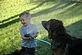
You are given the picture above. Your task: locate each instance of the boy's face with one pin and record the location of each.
(25, 20)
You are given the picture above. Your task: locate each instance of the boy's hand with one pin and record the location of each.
(26, 38)
(29, 38)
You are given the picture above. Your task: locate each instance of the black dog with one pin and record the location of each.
(61, 42)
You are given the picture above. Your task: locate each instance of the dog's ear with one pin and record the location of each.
(45, 24)
(60, 23)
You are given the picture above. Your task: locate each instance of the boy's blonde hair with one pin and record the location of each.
(25, 13)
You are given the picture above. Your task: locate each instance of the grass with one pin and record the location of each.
(69, 13)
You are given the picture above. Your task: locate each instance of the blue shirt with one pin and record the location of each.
(30, 29)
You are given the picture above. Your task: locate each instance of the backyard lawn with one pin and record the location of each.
(70, 13)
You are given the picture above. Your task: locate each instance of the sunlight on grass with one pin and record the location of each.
(70, 21)
(13, 7)
(10, 36)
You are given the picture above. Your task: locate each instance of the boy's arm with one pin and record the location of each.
(28, 38)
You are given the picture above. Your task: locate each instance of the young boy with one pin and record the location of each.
(28, 43)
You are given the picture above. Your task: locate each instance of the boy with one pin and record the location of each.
(28, 43)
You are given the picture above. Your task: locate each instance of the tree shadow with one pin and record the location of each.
(26, 10)
(37, 6)
(16, 20)
(77, 1)
(9, 23)
(51, 9)
(74, 11)
(75, 29)
(60, 3)
(46, 11)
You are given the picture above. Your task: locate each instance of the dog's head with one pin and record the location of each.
(54, 27)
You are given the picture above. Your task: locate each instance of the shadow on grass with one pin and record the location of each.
(9, 23)
(55, 7)
(28, 10)
(77, 1)
(37, 6)
(75, 29)
(74, 11)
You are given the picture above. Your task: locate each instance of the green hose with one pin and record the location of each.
(43, 41)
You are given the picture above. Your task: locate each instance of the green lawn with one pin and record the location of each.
(69, 13)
